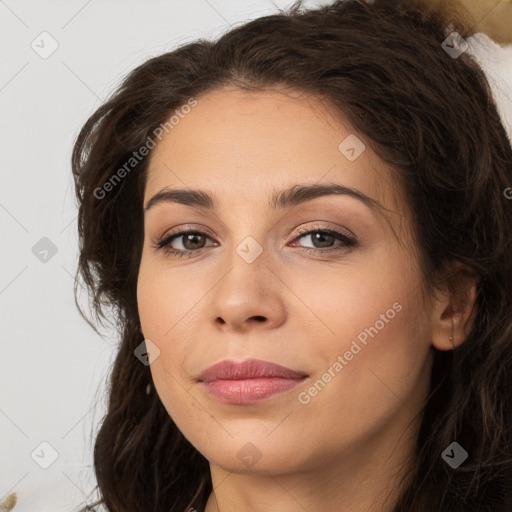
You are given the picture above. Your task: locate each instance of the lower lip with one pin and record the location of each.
(248, 391)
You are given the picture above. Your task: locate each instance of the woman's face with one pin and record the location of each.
(349, 316)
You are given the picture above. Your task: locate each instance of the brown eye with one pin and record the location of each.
(323, 240)
(190, 240)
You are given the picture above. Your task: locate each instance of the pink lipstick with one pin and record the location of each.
(248, 381)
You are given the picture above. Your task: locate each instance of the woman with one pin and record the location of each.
(303, 230)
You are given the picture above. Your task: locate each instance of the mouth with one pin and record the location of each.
(249, 381)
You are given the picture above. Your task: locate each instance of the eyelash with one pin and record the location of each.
(347, 240)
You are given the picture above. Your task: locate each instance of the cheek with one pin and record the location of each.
(373, 341)
(154, 308)
(164, 305)
(163, 298)
(342, 302)
(377, 366)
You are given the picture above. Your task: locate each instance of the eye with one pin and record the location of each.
(322, 239)
(193, 241)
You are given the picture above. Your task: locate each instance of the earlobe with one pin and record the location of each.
(458, 312)
(445, 337)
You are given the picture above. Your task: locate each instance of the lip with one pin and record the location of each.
(248, 381)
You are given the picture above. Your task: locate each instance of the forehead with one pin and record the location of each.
(238, 142)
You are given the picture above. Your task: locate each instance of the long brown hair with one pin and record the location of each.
(429, 115)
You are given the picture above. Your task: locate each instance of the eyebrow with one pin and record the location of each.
(292, 196)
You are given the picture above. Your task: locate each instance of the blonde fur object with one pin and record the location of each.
(8, 503)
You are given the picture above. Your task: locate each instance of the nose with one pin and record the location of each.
(249, 296)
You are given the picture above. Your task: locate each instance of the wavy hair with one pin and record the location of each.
(432, 117)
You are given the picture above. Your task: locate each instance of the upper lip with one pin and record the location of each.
(248, 369)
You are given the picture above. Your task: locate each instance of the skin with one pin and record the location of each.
(347, 447)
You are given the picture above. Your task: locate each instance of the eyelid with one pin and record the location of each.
(323, 227)
(182, 230)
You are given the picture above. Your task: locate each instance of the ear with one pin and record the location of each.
(454, 309)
